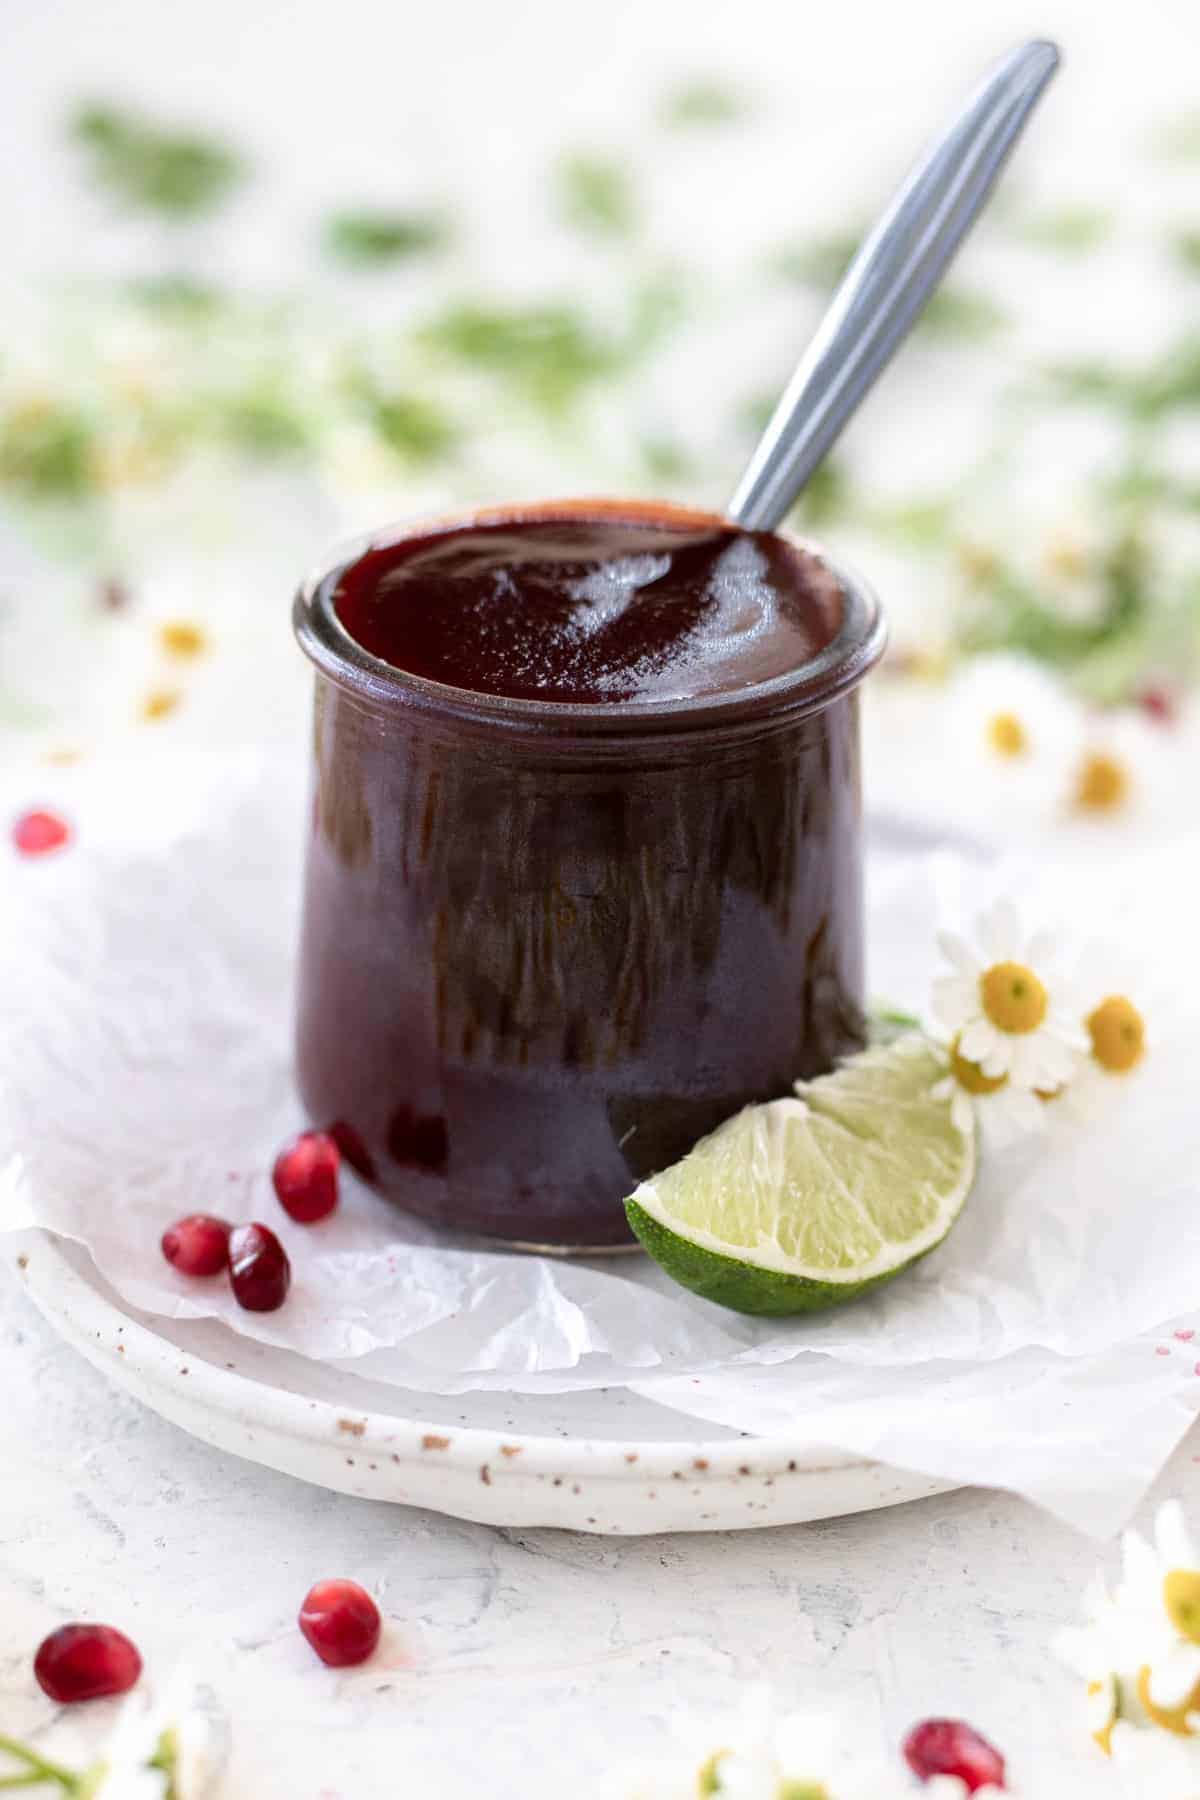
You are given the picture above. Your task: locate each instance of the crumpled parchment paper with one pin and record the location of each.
(144, 1073)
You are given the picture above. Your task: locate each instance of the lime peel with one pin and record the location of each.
(804, 1203)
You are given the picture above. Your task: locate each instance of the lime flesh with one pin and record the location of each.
(810, 1201)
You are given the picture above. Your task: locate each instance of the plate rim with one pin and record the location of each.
(139, 1359)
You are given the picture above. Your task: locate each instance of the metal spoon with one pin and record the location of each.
(892, 276)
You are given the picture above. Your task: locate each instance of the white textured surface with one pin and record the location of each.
(530, 1663)
(522, 1663)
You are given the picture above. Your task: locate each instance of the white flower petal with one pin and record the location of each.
(1173, 1676)
(1066, 1031)
(1141, 1567)
(1173, 1539)
(1000, 931)
(958, 952)
(1040, 949)
(954, 1000)
(977, 1039)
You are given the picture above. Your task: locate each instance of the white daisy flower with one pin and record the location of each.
(1139, 1650)
(1117, 1048)
(1005, 1006)
(1097, 1651)
(1122, 767)
(1016, 728)
(804, 1756)
(1004, 1113)
(1159, 1596)
(1070, 568)
(172, 1748)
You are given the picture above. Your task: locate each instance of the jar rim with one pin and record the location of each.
(849, 655)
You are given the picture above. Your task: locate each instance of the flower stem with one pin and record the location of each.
(37, 1768)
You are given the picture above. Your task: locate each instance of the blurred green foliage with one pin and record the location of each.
(176, 174)
(702, 101)
(1066, 230)
(46, 451)
(367, 238)
(596, 194)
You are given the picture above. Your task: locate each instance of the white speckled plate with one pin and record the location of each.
(602, 1461)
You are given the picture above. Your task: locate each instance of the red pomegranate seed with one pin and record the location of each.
(1158, 703)
(948, 1747)
(341, 1622)
(259, 1271)
(37, 833)
(85, 1662)
(197, 1245)
(306, 1177)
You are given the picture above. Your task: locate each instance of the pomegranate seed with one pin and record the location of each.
(197, 1245)
(948, 1747)
(306, 1177)
(259, 1271)
(1158, 703)
(85, 1662)
(341, 1622)
(36, 833)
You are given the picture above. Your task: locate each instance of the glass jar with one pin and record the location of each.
(548, 946)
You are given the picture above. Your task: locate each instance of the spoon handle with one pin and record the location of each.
(892, 276)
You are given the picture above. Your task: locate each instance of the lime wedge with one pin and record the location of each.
(807, 1202)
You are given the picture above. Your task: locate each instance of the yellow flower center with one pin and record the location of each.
(1181, 1597)
(1006, 735)
(1171, 1718)
(978, 563)
(1102, 783)
(970, 1076)
(1066, 559)
(1118, 1034)
(1013, 998)
(181, 638)
(1046, 1095)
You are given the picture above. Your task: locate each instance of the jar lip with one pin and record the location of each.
(853, 650)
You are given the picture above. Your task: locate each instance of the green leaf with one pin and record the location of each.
(923, 523)
(825, 498)
(1168, 382)
(657, 306)
(264, 422)
(702, 102)
(666, 460)
(180, 297)
(547, 354)
(961, 315)
(413, 428)
(753, 414)
(48, 452)
(818, 262)
(595, 194)
(1009, 614)
(178, 175)
(1066, 230)
(1185, 247)
(363, 238)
